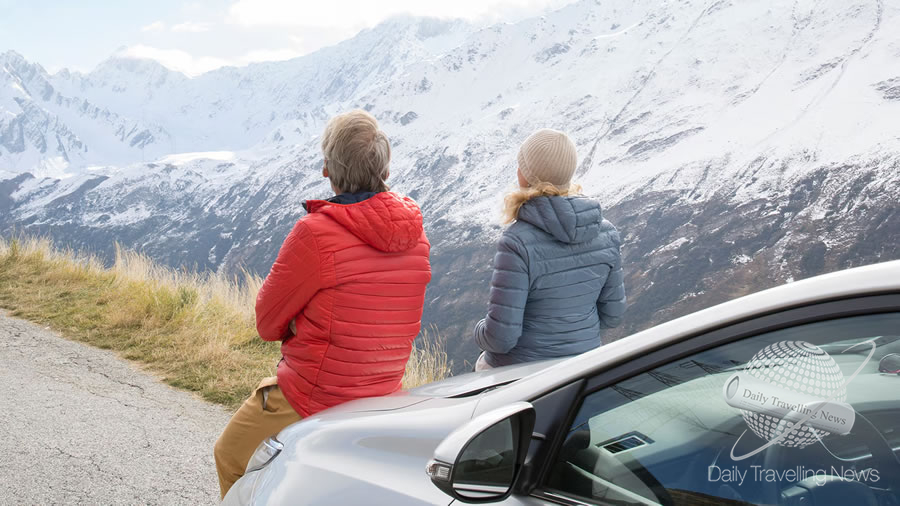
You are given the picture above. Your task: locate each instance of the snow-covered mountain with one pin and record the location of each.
(132, 110)
(735, 144)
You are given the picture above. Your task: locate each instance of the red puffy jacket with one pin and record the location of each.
(354, 278)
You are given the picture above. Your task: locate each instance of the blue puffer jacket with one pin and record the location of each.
(557, 282)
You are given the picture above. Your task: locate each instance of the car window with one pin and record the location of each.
(798, 412)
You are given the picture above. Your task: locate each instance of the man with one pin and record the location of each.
(344, 296)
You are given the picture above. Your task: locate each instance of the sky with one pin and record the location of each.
(201, 35)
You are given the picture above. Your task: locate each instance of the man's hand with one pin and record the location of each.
(293, 326)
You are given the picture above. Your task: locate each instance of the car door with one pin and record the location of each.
(787, 408)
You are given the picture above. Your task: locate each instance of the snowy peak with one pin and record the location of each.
(130, 109)
(23, 77)
(670, 94)
(643, 88)
(46, 129)
(16, 63)
(121, 71)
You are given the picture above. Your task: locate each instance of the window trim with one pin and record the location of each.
(559, 498)
(756, 325)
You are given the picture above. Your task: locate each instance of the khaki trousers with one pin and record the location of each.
(263, 414)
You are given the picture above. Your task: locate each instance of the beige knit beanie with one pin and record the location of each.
(548, 156)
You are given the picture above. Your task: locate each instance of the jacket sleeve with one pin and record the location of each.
(292, 282)
(500, 331)
(611, 303)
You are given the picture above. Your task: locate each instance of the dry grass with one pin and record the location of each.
(196, 332)
(428, 362)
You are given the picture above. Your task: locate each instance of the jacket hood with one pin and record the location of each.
(568, 219)
(385, 221)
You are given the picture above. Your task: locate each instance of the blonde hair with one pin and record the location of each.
(357, 153)
(514, 200)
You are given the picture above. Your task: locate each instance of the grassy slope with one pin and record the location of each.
(197, 333)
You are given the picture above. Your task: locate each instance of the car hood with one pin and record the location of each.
(375, 447)
(476, 382)
(369, 457)
(463, 385)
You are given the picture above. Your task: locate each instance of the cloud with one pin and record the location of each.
(186, 27)
(191, 65)
(156, 26)
(274, 30)
(191, 27)
(175, 59)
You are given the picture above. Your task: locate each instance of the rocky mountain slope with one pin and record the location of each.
(736, 145)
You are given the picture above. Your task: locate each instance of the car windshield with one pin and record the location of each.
(670, 432)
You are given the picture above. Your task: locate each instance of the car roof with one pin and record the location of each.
(871, 279)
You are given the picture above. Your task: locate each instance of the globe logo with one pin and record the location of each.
(799, 368)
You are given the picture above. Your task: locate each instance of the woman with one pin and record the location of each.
(558, 272)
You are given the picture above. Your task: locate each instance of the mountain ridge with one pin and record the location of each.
(728, 166)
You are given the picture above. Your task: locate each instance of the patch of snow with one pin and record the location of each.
(672, 245)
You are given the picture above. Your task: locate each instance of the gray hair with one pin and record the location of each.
(357, 153)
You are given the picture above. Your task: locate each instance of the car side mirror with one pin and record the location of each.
(480, 461)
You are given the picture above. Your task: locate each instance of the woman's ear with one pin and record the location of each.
(523, 183)
(387, 174)
(325, 169)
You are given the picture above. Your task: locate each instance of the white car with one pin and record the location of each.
(787, 396)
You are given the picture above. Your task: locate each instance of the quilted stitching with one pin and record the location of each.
(567, 219)
(557, 282)
(356, 332)
(387, 221)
